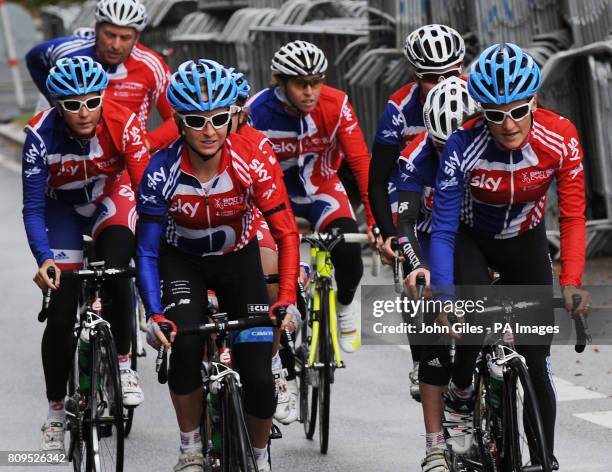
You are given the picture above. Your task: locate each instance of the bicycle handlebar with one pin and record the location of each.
(44, 312)
(100, 273)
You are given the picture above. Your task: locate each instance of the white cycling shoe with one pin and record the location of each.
(435, 461)
(53, 437)
(192, 461)
(130, 386)
(292, 391)
(282, 394)
(348, 327)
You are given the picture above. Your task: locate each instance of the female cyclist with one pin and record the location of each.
(489, 205)
(196, 207)
(74, 181)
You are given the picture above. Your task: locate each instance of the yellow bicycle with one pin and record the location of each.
(319, 355)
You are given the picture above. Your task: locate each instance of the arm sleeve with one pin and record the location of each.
(356, 153)
(39, 61)
(34, 179)
(446, 211)
(152, 208)
(270, 196)
(409, 204)
(572, 220)
(167, 132)
(135, 152)
(381, 167)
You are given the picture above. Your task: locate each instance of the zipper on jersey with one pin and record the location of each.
(506, 222)
(210, 245)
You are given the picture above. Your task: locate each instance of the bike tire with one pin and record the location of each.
(525, 434)
(484, 419)
(77, 446)
(105, 426)
(237, 450)
(308, 393)
(129, 411)
(325, 359)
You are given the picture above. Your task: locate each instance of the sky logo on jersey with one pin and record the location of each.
(135, 135)
(33, 153)
(484, 182)
(186, 208)
(398, 120)
(283, 147)
(452, 164)
(260, 169)
(157, 177)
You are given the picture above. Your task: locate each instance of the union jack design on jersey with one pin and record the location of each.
(503, 193)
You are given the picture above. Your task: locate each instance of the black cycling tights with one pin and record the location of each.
(347, 261)
(115, 245)
(522, 260)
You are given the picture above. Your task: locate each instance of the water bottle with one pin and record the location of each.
(84, 361)
(496, 381)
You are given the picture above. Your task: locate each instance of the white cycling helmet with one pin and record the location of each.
(84, 32)
(129, 13)
(434, 48)
(299, 58)
(446, 106)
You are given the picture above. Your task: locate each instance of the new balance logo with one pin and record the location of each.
(434, 363)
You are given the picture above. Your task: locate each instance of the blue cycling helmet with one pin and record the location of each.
(78, 75)
(503, 74)
(185, 88)
(244, 88)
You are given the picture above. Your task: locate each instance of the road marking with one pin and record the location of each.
(10, 164)
(602, 418)
(568, 391)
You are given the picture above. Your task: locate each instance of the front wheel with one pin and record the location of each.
(325, 372)
(237, 451)
(486, 420)
(525, 443)
(105, 425)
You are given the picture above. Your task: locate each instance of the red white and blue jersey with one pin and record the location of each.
(78, 172)
(216, 217)
(502, 194)
(400, 123)
(138, 83)
(418, 166)
(310, 147)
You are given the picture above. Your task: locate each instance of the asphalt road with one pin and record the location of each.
(375, 426)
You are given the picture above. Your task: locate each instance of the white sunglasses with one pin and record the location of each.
(72, 105)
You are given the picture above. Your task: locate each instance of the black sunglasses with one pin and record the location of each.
(303, 83)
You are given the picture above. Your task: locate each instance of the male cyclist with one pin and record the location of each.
(137, 76)
(489, 203)
(435, 52)
(311, 126)
(446, 107)
(74, 180)
(195, 232)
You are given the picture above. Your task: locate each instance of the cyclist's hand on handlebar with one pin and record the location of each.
(410, 282)
(41, 278)
(290, 313)
(155, 336)
(372, 237)
(569, 291)
(387, 254)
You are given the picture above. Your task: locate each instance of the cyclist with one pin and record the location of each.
(283, 361)
(446, 107)
(137, 76)
(435, 52)
(74, 158)
(489, 204)
(311, 125)
(195, 231)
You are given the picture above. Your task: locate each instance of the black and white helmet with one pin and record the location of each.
(129, 13)
(299, 58)
(446, 106)
(434, 48)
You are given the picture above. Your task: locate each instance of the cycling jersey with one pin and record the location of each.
(137, 84)
(418, 165)
(77, 172)
(400, 123)
(502, 193)
(310, 147)
(216, 217)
